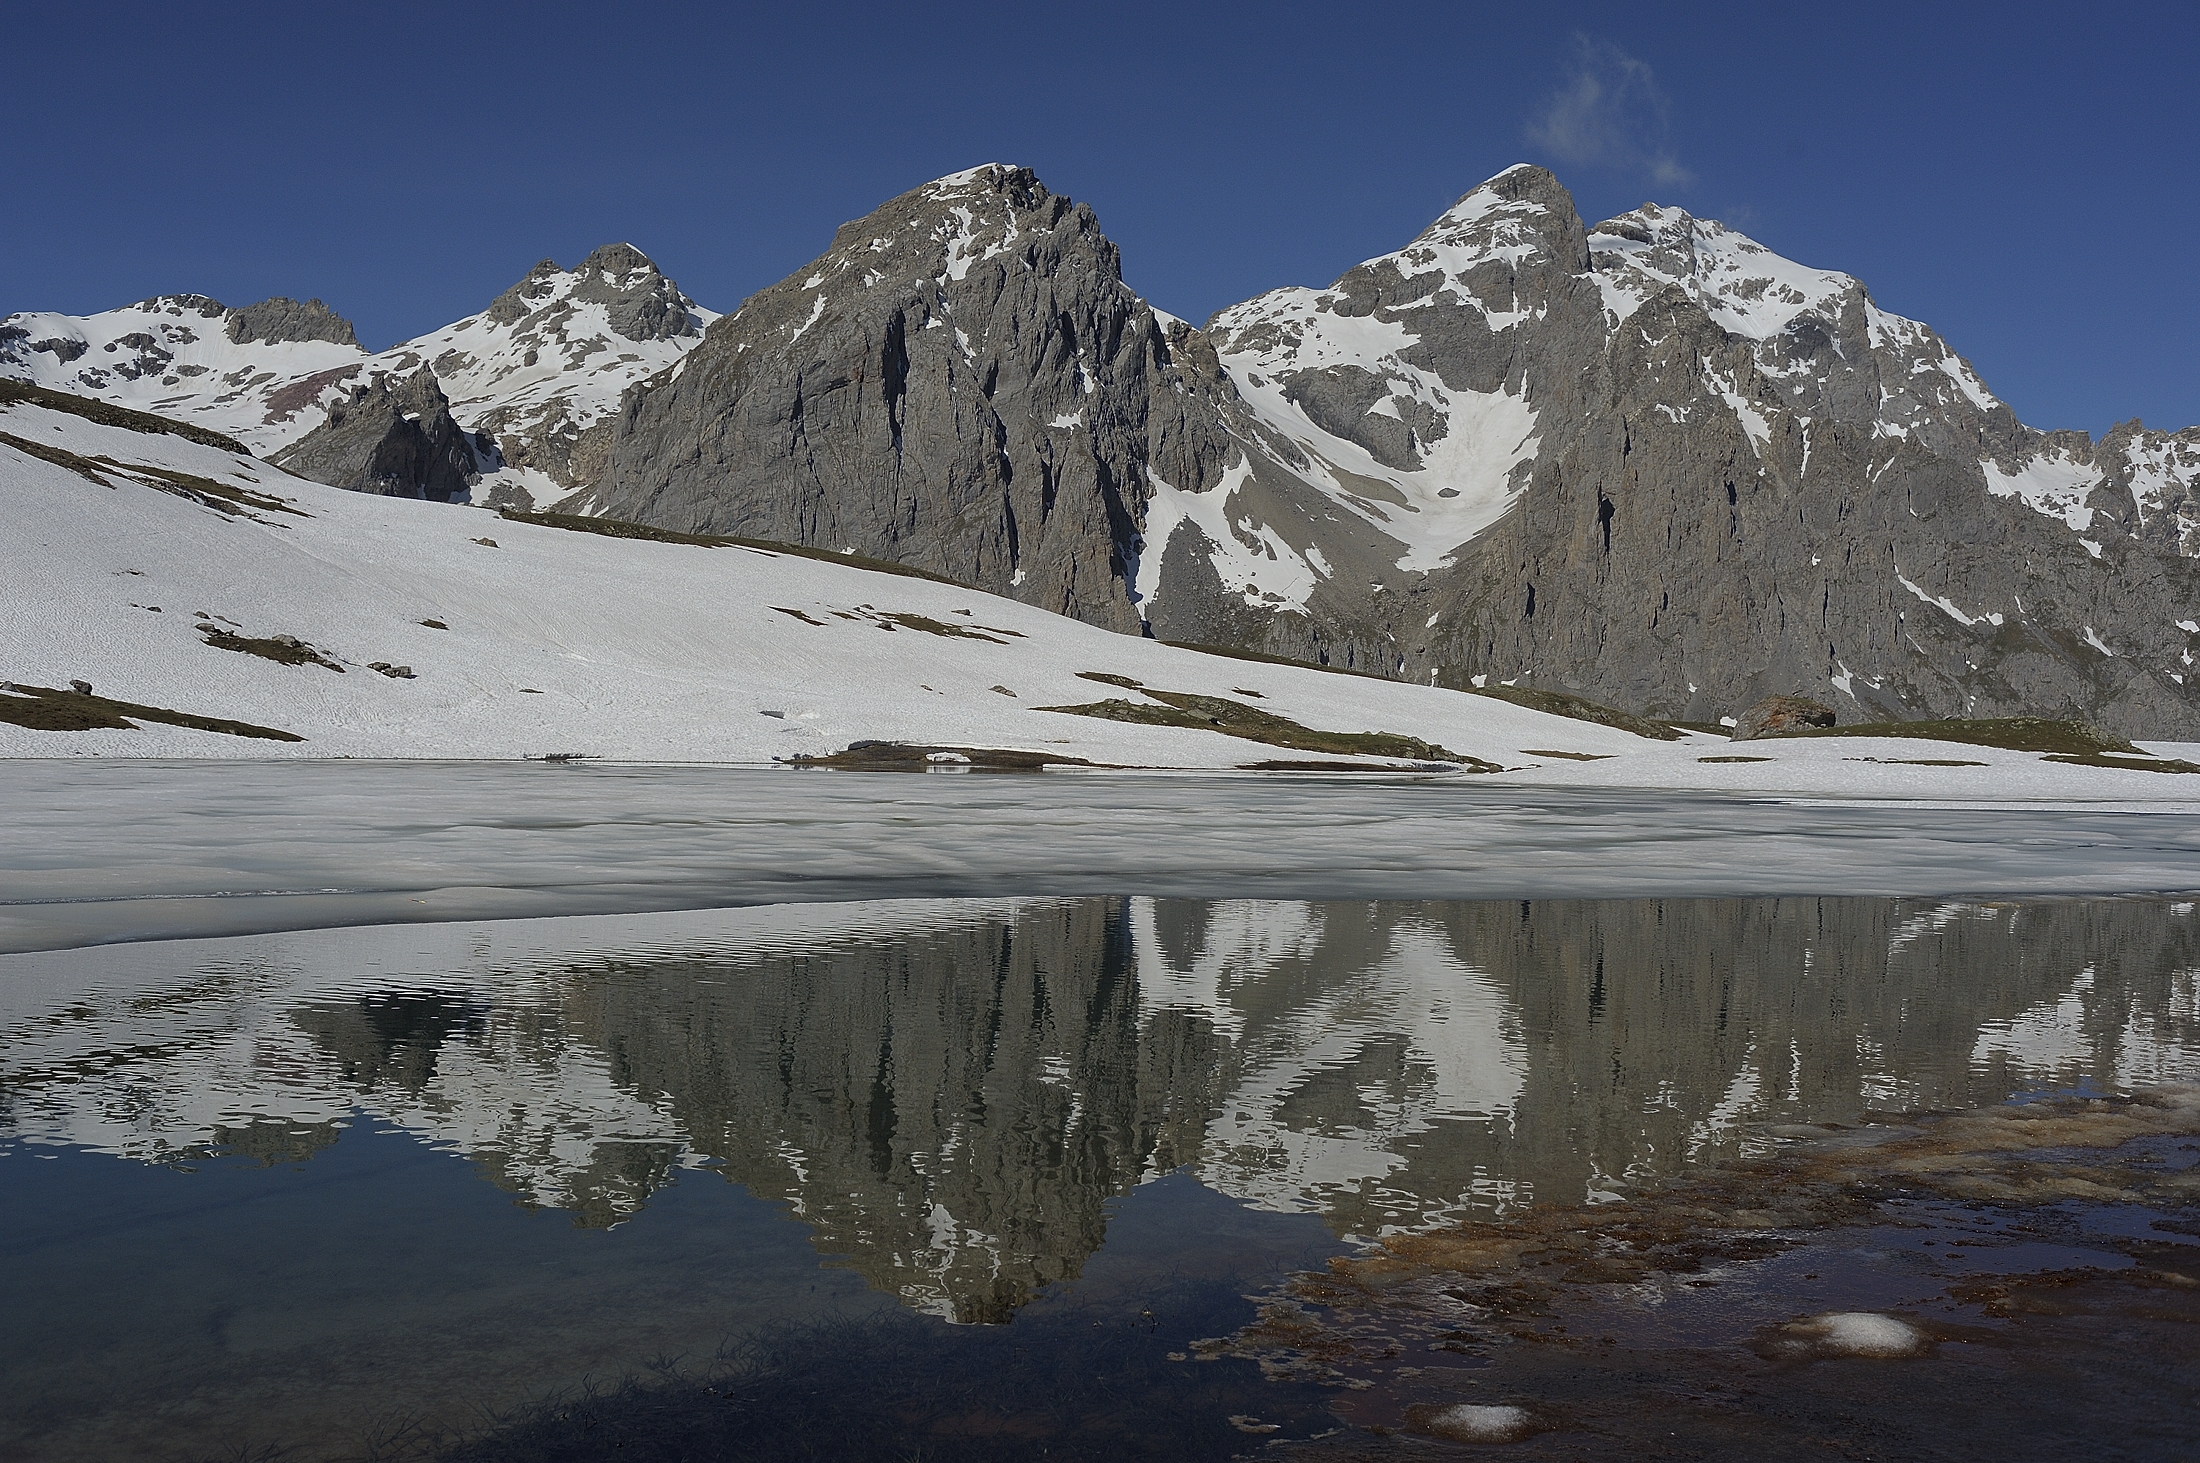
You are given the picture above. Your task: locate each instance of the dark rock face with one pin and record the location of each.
(642, 303)
(1649, 463)
(279, 319)
(397, 440)
(962, 382)
(1740, 477)
(1778, 715)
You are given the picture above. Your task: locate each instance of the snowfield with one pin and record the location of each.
(564, 642)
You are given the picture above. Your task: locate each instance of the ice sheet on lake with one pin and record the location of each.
(109, 851)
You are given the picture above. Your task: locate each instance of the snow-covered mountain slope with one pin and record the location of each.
(1650, 463)
(192, 359)
(1659, 465)
(534, 373)
(1362, 395)
(549, 640)
(165, 572)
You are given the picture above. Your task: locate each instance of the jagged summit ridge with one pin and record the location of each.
(1652, 461)
(535, 374)
(961, 381)
(283, 319)
(641, 304)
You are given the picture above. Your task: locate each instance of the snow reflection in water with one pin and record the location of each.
(903, 1072)
(949, 1094)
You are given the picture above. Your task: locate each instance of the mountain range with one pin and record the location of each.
(1648, 462)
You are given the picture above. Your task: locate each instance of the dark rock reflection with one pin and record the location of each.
(949, 1094)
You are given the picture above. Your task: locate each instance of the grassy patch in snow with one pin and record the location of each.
(1262, 657)
(930, 626)
(1574, 708)
(223, 497)
(1919, 761)
(206, 492)
(1734, 759)
(620, 528)
(59, 456)
(2139, 762)
(1569, 756)
(282, 649)
(1323, 767)
(106, 414)
(1552, 703)
(909, 757)
(46, 708)
(1236, 719)
(2010, 733)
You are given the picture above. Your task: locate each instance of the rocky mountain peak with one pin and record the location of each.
(639, 302)
(941, 231)
(618, 261)
(962, 381)
(1522, 212)
(277, 319)
(1745, 287)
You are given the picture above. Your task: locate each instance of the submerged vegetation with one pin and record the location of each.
(1700, 1300)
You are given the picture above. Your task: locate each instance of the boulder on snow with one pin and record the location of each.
(1777, 716)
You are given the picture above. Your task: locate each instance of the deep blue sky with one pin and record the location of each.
(2026, 179)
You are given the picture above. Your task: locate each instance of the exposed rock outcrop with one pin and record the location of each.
(394, 437)
(1684, 473)
(963, 382)
(280, 319)
(1778, 715)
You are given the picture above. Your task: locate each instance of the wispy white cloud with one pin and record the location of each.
(1610, 113)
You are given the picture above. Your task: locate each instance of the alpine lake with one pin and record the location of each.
(1114, 1176)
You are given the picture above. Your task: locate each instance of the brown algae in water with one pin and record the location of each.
(1697, 1314)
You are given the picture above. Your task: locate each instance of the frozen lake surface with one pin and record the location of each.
(102, 851)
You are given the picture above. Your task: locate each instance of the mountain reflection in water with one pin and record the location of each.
(947, 1093)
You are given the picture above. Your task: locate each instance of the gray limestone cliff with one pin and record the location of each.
(962, 382)
(279, 319)
(395, 437)
(1650, 463)
(1657, 465)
